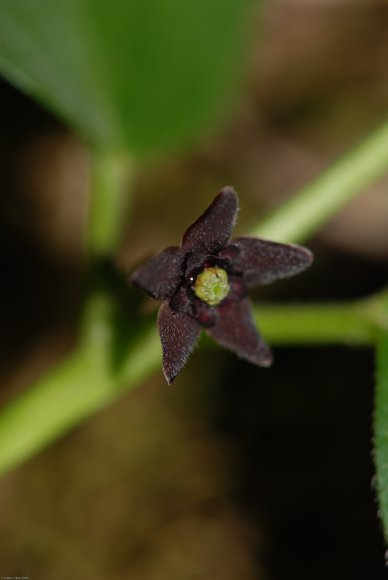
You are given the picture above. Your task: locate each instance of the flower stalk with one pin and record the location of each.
(79, 386)
(304, 213)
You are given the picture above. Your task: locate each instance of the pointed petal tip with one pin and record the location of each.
(132, 279)
(268, 361)
(160, 276)
(228, 190)
(169, 378)
(263, 261)
(308, 255)
(264, 355)
(235, 330)
(306, 258)
(178, 334)
(229, 194)
(211, 231)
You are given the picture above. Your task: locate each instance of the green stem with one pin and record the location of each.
(303, 214)
(73, 391)
(381, 429)
(380, 438)
(87, 380)
(84, 382)
(109, 202)
(317, 324)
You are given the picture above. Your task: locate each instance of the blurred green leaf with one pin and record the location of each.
(138, 74)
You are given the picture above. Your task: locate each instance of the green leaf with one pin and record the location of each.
(381, 430)
(145, 75)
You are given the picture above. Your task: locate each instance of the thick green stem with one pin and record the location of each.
(87, 381)
(303, 214)
(317, 324)
(69, 394)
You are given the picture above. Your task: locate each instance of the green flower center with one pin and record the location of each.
(211, 285)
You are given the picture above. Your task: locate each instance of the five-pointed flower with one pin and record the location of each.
(204, 285)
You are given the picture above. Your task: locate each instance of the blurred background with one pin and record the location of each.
(234, 472)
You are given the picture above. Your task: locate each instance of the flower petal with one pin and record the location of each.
(183, 300)
(160, 276)
(261, 261)
(178, 334)
(235, 330)
(212, 230)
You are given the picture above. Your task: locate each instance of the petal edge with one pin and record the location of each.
(236, 331)
(160, 276)
(178, 334)
(262, 261)
(211, 231)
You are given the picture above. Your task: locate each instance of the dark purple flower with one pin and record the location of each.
(204, 284)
